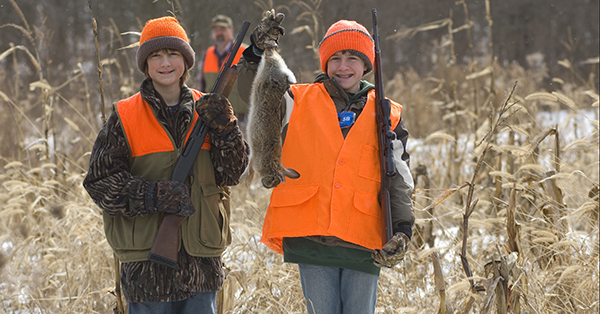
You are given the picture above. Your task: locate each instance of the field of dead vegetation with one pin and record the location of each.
(505, 160)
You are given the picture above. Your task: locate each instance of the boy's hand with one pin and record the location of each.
(216, 112)
(266, 34)
(173, 197)
(392, 252)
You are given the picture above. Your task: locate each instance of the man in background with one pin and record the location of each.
(215, 56)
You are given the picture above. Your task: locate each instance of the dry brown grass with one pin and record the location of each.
(56, 259)
(525, 188)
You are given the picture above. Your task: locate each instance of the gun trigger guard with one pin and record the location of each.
(391, 135)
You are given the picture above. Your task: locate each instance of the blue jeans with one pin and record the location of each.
(332, 290)
(200, 303)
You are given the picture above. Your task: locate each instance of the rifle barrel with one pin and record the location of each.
(385, 136)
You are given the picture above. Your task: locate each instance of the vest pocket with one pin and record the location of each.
(366, 222)
(135, 234)
(208, 232)
(294, 208)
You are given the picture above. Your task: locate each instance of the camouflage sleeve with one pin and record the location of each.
(229, 154)
(402, 185)
(108, 181)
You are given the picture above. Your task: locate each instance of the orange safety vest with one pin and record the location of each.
(211, 62)
(337, 192)
(206, 232)
(140, 125)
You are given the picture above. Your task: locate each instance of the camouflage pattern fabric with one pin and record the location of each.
(266, 34)
(150, 282)
(119, 194)
(171, 197)
(392, 252)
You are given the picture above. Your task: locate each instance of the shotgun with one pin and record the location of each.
(166, 243)
(385, 137)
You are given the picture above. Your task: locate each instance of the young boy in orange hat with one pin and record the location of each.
(328, 220)
(130, 171)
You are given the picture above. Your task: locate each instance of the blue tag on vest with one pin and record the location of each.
(346, 119)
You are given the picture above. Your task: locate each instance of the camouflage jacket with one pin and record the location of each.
(118, 193)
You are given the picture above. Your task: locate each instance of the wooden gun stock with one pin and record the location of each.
(166, 243)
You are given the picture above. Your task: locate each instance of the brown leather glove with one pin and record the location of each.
(216, 112)
(392, 252)
(267, 32)
(173, 197)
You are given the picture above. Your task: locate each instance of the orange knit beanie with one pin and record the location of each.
(160, 33)
(347, 35)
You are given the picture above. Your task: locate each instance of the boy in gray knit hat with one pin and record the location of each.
(130, 172)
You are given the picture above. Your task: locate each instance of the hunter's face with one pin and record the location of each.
(222, 35)
(347, 69)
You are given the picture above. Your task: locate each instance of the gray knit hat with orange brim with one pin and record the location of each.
(164, 33)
